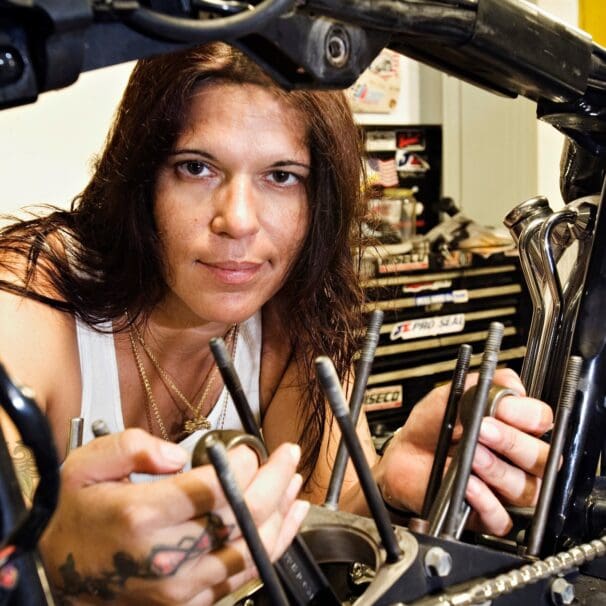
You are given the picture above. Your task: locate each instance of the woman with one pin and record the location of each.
(221, 206)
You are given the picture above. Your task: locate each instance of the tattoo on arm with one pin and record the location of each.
(25, 468)
(162, 561)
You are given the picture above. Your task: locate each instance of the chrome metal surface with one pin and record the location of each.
(544, 239)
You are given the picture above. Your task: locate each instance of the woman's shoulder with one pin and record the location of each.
(37, 342)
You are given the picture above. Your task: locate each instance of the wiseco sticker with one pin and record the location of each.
(382, 398)
(427, 327)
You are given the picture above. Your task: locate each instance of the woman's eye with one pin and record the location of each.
(193, 168)
(283, 177)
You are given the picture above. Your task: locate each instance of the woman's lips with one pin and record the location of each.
(231, 272)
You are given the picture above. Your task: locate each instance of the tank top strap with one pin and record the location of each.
(99, 376)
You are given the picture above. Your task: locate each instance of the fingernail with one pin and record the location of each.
(489, 431)
(300, 510)
(483, 457)
(173, 453)
(295, 452)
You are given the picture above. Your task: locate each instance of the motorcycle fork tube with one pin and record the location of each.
(568, 512)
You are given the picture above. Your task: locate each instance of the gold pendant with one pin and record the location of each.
(192, 425)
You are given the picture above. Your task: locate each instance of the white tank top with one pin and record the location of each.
(101, 387)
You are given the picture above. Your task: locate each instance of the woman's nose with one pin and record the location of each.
(236, 208)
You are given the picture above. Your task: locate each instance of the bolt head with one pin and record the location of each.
(438, 562)
(11, 65)
(562, 592)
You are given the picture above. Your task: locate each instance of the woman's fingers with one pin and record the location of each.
(115, 456)
(177, 535)
(179, 498)
(234, 561)
(279, 499)
(289, 527)
(528, 414)
(512, 483)
(524, 450)
(172, 500)
(186, 557)
(272, 481)
(487, 507)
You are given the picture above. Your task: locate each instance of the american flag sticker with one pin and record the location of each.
(388, 173)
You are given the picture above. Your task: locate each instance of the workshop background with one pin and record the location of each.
(447, 162)
(494, 151)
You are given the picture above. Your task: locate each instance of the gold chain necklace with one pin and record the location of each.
(198, 421)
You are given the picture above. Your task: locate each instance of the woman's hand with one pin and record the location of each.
(173, 541)
(507, 465)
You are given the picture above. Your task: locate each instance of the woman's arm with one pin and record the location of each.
(284, 419)
(172, 542)
(507, 466)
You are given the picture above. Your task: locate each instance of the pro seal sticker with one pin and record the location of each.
(427, 327)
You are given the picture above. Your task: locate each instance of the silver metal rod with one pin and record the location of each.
(355, 405)
(334, 394)
(217, 454)
(547, 338)
(448, 423)
(470, 438)
(74, 438)
(558, 437)
(234, 386)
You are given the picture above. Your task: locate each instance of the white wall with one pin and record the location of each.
(490, 151)
(46, 148)
(496, 153)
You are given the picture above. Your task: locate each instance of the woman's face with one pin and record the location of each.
(231, 206)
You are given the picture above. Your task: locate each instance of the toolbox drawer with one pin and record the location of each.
(429, 313)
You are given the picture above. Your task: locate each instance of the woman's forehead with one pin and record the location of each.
(262, 100)
(239, 110)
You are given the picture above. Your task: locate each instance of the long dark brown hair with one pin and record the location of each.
(103, 256)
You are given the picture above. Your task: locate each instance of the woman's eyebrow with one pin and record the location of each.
(197, 152)
(209, 156)
(282, 163)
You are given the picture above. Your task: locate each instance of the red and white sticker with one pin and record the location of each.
(427, 327)
(421, 286)
(398, 265)
(410, 162)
